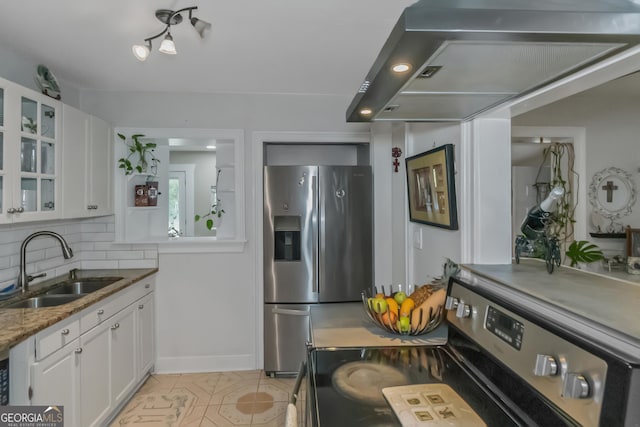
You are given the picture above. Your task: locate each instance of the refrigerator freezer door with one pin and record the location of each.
(286, 330)
(346, 230)
(290, 234)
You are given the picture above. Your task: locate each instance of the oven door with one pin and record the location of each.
(345, 387)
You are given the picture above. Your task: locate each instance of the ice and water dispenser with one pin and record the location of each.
(287, 238)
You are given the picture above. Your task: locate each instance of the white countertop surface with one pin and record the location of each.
(609, 301)
(347, 325)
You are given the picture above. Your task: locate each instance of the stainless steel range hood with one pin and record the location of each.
(464, 56)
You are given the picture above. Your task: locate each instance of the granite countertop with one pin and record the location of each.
(17, 324)
(346, 325)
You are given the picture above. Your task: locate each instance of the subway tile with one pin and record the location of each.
(93, 255)
(99, 264)
(94, 228)
(147, 263)
(125, 255)
(101, 237)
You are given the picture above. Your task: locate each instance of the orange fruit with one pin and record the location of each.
(393, 305)
(406, 307)
(379, 295)
(389, 318)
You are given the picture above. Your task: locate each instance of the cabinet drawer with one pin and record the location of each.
(56, 337)
(106, 308)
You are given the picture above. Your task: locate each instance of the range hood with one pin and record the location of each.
(457, 58)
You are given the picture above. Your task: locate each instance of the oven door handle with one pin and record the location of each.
(290, 312)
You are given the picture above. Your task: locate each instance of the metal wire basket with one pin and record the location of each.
(419, 320)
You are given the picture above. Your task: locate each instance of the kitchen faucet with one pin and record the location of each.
(24, 278)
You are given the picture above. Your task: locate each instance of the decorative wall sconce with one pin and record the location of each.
(396, 152)
(169, 18)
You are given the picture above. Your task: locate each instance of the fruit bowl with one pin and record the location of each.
(405, 310)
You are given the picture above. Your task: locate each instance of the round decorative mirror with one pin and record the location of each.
(612, 193)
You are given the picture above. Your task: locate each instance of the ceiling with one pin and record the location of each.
(255, 46)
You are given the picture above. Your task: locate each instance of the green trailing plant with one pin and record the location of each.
(141, 156)
(561, 158)
(216, 211)
(583, 251)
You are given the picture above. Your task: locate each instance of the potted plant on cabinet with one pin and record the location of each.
(141, 158)
(584, 252)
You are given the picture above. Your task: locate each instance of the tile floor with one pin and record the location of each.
(220, 399)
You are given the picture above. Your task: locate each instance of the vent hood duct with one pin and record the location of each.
(466, 56)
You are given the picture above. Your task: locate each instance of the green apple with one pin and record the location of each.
(379, 305)
(404, 325)
(400, 297)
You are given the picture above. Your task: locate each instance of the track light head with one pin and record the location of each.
(169, 18)
(141, 52)
(168, 46)
(201, 27)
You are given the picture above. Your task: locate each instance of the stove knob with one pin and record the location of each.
(546, 366)
(575, 386)
(451, 303)
(463, 310)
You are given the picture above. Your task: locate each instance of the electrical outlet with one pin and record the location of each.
(417, 238)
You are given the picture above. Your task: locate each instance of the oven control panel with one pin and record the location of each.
(569, 376)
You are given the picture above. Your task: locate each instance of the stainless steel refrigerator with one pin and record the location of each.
(318, 248)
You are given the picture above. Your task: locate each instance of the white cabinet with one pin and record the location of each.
(90, 362)
(146, 334)
(87, 161)
(99, 194)
(94, 400)
(54, 381)
(122, 353)
(30, 157)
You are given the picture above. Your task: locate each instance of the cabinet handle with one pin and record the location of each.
(65, 332)
(147, 286)
(78, 350)
(116, 326)
(100, 312)
(11, 211)
(141, 306)
(20, 209)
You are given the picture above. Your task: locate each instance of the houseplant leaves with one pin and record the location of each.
(583, 251)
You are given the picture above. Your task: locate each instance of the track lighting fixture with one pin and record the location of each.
(169, 18)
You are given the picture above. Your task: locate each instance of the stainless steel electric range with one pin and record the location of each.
(510, 360)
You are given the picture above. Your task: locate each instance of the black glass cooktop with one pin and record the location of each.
(348, 384)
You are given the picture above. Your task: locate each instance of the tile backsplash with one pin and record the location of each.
(90, 239)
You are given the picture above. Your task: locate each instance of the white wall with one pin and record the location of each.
(22, 70)
(437, 243)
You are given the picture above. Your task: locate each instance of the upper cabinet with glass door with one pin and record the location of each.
(31, 159)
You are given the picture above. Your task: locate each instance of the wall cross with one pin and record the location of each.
(610, 188)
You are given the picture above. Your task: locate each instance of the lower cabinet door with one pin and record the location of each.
(95, 401)
(145, 335)
(122, 352)
(54, 382)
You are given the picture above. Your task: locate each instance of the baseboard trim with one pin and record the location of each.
(235, 362)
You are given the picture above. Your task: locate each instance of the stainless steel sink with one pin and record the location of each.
(44, 301)
(82, 286)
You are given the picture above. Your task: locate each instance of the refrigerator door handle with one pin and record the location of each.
(314, 222)
(290, 312)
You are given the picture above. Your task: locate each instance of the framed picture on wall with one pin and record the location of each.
(633, 242)
(431, 188)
